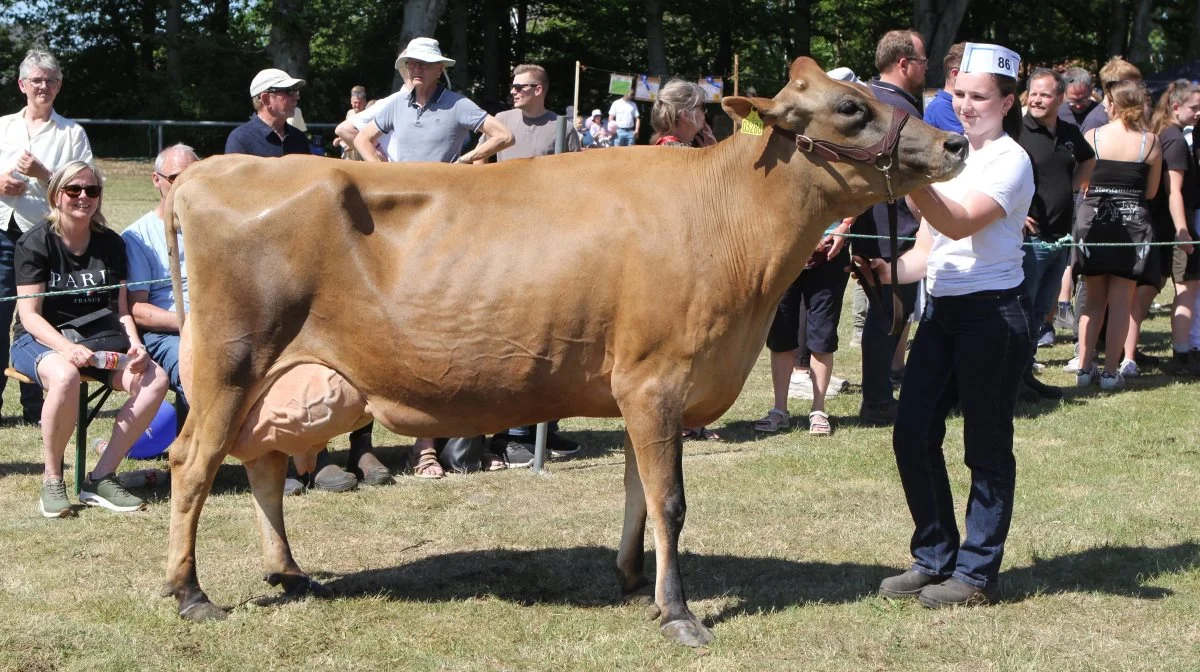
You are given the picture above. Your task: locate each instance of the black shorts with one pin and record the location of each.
(818, 291)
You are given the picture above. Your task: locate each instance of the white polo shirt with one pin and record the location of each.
(59, 142)
(624, 112)
(387, 141)
(989, 259)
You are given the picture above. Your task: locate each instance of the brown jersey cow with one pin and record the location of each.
(349, 282)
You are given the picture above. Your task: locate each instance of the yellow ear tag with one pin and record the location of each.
(752, 124)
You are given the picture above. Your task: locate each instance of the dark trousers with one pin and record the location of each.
(31, 395)
(878, 347)
(970, 351)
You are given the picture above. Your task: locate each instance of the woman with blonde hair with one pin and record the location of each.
(1173, 212)
(1114, 210)
(58, 338)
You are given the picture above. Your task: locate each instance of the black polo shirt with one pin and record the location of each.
(875, 220)
(1055, 156)
(257, 138)
(1175, 156)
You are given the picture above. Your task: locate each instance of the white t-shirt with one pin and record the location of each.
(990, 259)
(624, 112)
(386, 140)
(58, 143)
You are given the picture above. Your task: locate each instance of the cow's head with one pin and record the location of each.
(813, 108)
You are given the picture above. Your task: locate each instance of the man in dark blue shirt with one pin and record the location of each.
(275, 95)
(940, 112)
(1079, 107)
(900, 58)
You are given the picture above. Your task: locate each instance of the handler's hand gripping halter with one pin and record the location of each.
(882, 155)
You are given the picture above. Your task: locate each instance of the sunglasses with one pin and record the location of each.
(168, 178)
(285, 92)
(521, 88)
(74, 190)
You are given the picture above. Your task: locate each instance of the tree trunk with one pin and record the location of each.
(420, 20)
(174, 46)
(1193, 50)
(491, 57)
(460, 19)
(723, 61)
(938, 21)
(149, 28)
(288, 45)
(522, 23)
(655, 45)
(1118, 28)
(1139, 39)
(218, 18)
(802, 29)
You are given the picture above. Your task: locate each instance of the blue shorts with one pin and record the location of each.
(27, 352)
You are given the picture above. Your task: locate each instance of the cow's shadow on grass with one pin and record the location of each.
(1127, 571)
(586, 577)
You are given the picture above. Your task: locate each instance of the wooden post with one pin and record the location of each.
(576, 99)
(735, 74)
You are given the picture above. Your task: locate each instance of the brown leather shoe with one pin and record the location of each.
(908, 584)
(368, 469)
(954, 593)
(333, 478)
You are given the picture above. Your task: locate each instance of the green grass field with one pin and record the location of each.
(786, 540)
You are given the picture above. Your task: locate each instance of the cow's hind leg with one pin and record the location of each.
(267, 474)
(658, 448)
(193, 468)
(631, 557)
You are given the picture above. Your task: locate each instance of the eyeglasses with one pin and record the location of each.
(74, 190)
(285, 92)
(168, 178)
(43, 81)
(521, 88)
(919, 60)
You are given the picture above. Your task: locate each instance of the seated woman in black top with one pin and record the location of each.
(75, 249)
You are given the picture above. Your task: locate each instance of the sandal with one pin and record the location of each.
(700, 434)
(775, 420)
(493, 462)
(427, 465)
(818, 424)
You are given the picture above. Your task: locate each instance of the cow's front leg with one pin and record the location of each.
(658, 448)
(267, 474)
(631, 557)
(192, 472)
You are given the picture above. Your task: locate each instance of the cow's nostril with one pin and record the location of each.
(956, 144)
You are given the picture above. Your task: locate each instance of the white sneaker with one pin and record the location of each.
(1111, 382)
(1128, 369)
(837, 386)
(1085, 377)
(1072, 365)
(801, 386)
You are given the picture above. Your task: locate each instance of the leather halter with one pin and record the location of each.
(881, 155)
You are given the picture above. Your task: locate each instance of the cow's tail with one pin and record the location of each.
(172, 231)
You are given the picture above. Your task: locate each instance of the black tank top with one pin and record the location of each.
(1119, 178)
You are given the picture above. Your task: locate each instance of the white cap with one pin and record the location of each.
(596, 113)
(991, 58)
(843, 75)
(273, 78)
(424, 49)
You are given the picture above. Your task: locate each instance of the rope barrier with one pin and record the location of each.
(1064, 242)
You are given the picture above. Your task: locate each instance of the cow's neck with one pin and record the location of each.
(778, 203)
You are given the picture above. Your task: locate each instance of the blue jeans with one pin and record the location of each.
(164, 350)
(970, 351)
(31, 395)
(625, 138)
(878, 347)
(1043, 268)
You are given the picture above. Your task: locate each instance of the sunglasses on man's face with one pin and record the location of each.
(521, 88)
(284, 92)
(169, 178)
(74, 190)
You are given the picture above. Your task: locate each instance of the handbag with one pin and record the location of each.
(97, 331)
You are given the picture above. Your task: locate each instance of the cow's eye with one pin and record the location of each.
(847, 108)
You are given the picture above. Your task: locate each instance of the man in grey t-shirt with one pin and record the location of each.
(431, 123)
(533, 127)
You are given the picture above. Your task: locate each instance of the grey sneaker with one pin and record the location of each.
(54, 503)
(107, 492)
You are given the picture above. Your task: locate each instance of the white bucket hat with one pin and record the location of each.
(424, 49)
(597, 113)
(273, 78)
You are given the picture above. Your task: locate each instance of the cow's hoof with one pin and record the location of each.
(686, 632)
(202, 610)
(298, 585)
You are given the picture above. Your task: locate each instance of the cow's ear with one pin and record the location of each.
(738, 108)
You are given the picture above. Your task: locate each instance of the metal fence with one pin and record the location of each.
(155, 132)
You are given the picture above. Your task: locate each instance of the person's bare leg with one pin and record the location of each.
(822, 371)
(1142, 298)
(1091, 318)
(781, 377)
(1120, 302)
